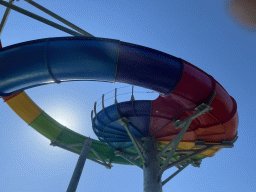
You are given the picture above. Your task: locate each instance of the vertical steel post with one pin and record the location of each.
(79, 166)
(151, 167)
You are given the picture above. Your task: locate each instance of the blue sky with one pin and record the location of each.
(201, 32)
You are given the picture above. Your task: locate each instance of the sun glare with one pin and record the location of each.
(66, 115)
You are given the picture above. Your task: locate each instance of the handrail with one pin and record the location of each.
(115, 96)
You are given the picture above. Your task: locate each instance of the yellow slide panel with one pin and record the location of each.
(191, 146)
(23, 106)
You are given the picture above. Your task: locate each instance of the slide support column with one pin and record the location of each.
(151, 167)
(79, 166)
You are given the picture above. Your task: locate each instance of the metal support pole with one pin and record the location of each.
(151, 167)
(73, 151)
(79, 166)
(5, 17)
(132, 97)
(59, 18)
(0, 48)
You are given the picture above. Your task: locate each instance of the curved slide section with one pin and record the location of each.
(108, 129)
(195, 87)
(81, 58)
(24, 107)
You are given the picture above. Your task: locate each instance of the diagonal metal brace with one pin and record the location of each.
(84, 33)
(189, 156)
(107, 165)
(176, 142)
(125, 122)
(5, 17)
(140, 144)
(201, 109)
(174, 174)
(67, 147)
(128, 158)
(39, 18)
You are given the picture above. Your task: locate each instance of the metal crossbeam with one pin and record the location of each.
(137, 157)
(201, 109)
(39, 18)
(84, 33)
(174, 174)
(5, 17)
(106, 164)
(224, 144)
(66, 147)
(160, 154)
(139, 142)
(125, 122)
(75, 145)
(185, 151)
(189, 156)
(128, 158)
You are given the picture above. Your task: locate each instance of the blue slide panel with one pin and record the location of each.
(108, 129)
(111, 113)
(34, 63)
(90, 59)
(112, 132)
(21, 66)
(120, 145)
(100, 130)
(148, 68)
(43, 61)
(138, 112)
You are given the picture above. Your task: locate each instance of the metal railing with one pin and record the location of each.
(123, 94)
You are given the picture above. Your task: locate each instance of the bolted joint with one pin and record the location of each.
(203, 108)
(196, 163)
(178, 124)
(117, 153)
(124, 121)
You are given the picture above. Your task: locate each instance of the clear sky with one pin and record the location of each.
(200, 32)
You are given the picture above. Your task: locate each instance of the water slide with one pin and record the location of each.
(181, 85)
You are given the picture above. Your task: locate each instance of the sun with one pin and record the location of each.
(65, 114)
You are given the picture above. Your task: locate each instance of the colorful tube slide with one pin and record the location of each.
(181, 85)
